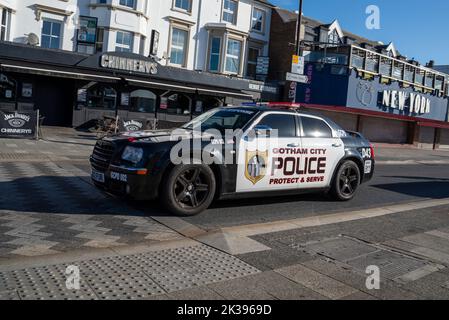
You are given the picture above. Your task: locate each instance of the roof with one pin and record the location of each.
(291, 16)
(265, 2)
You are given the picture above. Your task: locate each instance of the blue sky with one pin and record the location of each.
(418, 28)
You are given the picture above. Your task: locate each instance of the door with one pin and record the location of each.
(267, 154)
(323, 150)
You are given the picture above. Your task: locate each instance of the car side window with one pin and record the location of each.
(285, 124)
(315, 128)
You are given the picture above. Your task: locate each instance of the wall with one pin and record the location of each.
(367, 95)
(148, 15)
(324, 87)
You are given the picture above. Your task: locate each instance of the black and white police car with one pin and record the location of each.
(277, 150)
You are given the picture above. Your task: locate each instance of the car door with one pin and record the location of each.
(262, 152)
(324, 150)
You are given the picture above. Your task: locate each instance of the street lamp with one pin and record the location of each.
(298, 30)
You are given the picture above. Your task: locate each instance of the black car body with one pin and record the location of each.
(310, 154)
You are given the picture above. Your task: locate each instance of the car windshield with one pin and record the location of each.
(221, 120)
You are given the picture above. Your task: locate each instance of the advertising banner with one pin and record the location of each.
(17, 124)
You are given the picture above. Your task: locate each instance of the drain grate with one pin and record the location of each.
(360, 255)
(340, 249)
(129, 277)
(391, 265)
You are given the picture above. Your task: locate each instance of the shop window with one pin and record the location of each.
(143, 101)
(215, 51)
(178, 104)
(258, 20)
(7, 88)
(233, 54)
(251, 69)
(124, 41)
(230, 11)
(178, 47)
(5, 24)
(51, 34)
(102, 97)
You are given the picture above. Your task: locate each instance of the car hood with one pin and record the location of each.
(156, 136)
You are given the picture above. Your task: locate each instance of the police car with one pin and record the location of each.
(234, 152)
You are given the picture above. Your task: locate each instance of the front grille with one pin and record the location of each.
(102, 155)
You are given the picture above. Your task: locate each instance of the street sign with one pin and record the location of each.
(297, 78)
(298, 64)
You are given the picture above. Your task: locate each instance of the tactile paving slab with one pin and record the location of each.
(127, 277)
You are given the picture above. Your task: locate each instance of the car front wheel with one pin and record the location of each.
(189, 189)
(346, 182)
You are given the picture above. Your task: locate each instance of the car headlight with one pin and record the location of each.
(132, 154)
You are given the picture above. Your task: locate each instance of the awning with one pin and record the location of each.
(191, 89)
(57, 73)
(45, 71)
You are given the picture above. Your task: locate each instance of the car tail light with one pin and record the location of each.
(372, 150)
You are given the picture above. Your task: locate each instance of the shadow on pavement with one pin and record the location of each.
(68, 195)
(436, 189)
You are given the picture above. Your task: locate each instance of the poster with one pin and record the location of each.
(18, 124)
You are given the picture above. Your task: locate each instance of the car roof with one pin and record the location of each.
(285, 109)
(264, 108)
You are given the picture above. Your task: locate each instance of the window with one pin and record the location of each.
(143, 101)
(315, 128)
(5, 21)
(102, 1)
(51, 34)
(284, 124)
(214, 59)
(127, 3)
(100, 40)
(233, 53)
(258, 20)
(251, 70)
(178, 47)
(100, 96)
(334, 38)
(183, 5)
(124, 41)
(230, 11)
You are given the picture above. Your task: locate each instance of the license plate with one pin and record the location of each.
(97, 176)
(368, 166)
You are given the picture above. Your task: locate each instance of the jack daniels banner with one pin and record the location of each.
(18, 124)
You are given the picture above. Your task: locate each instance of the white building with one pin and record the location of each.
(220, 36)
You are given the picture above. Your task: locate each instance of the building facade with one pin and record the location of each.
(363, 85)
(217, 41)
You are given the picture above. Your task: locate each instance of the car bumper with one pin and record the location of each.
(126, 182)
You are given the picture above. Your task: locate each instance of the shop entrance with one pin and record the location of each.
(54, 98)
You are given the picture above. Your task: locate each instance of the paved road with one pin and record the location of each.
(392, 184)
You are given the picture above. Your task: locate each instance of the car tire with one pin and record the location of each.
(346, 181)
(188, 189)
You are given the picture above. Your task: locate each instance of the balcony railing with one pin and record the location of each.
(375, 63)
